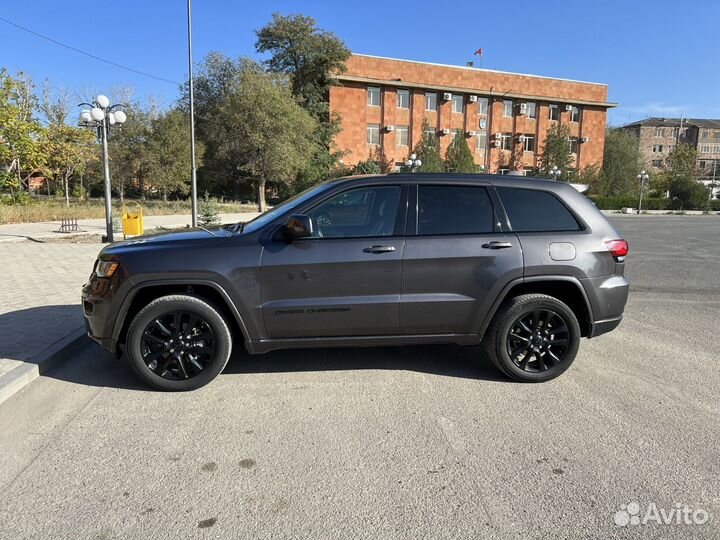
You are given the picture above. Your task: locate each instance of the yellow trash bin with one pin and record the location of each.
(132, 222)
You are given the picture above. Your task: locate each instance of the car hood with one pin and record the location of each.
(169, 239)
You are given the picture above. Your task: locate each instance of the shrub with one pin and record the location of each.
(650, 203)
(208, 213)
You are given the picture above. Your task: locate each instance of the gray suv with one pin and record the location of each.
(522, 267)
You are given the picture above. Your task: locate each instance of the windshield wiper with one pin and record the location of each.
(207, 230)
(239, 226)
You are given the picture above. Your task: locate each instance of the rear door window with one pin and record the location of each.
(454, 210)
(531, 210)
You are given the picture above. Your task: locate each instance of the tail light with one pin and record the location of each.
(617, 248)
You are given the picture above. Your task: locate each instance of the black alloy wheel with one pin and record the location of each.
(178, 345)
(538, 340)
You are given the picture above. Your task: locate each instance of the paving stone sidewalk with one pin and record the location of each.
(15, 232)
(40, 296)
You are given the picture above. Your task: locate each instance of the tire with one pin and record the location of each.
(544, 353)
(190, 357)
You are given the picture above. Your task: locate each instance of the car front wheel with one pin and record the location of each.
(533, 338)
(178, 342)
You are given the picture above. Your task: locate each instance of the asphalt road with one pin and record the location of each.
(410, 443)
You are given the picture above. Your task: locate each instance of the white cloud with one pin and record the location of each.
(655, 108)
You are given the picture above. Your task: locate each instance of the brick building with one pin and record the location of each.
(658, 137)
(383, 103)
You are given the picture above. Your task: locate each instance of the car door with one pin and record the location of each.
(457, 258)
(345, 279)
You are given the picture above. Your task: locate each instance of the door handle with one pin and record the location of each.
(379, 249)
(497, 245)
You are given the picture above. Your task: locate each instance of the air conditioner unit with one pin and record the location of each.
(447, 96)
(497, 143)
(523, 108)
(445, 131)
(498, 136)
(521, 138)
(568, 107)
(470, 133)
(482, 123)
(472, 98)
(389, 128)
(584, 139)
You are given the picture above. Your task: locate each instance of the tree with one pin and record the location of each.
(130, 160)
(556, 151)
(261, 130)
(68, 150)
(20, 150)
(458, 157)
(208, 213)
(311, 57)
(621, 164)
(168, 149)
(681, 176)
(428, 151)
(369, 166)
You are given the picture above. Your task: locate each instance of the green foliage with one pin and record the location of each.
(20, 132)
(428, 151)
(680, 177)
(261, 129)
(169, 164)
(369, 166)
(556, 151)
(310, 56)
(621, 164)
(208, 211)
(651, 203)
(458, 157)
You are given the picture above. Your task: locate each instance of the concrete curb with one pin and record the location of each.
(16, 379)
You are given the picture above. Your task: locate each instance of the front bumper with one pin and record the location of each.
(99, 311)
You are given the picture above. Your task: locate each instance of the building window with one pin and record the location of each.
(403, 99)
(507, 108)
(657, 163)
(659, 132)
(704, 148)
(504, 171)
(529, 143)
(457, 103)
(401, 135)
(531, 109)
(429, 134)
(482, 103)
(716, 149)
(674, 132)
(716, 134)
(574, 114)
(553, 112)
(430, 101)
(670, 148)
(373, 134)
(657, 148)
(574, 145)
(481, 141)
(705, 134)
(506, 141)
(373, 96)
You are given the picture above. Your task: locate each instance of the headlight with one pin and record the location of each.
(106, 268)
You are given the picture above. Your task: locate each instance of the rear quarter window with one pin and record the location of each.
(531, 210)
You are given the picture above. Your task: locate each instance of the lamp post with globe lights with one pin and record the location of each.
(413, 162)
(101, 116)
(555, 172)
(642, 177)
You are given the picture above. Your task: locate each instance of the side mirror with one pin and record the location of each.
(299, 226)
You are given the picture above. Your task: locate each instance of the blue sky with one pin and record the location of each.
(659, 58)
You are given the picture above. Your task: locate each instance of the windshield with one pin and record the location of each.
(285, 206)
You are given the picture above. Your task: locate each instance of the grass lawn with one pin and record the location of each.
(54, 210)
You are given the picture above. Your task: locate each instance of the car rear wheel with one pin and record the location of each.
(178, 342)
(533, 338)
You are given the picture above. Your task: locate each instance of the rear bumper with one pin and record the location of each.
(608, 296)
(599, 328)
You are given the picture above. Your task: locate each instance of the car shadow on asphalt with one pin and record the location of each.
(446, 360)
(91, 366)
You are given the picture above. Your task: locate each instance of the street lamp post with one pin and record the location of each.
(555, 172)
(642, 177)
(101, 116)
(413, 162)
